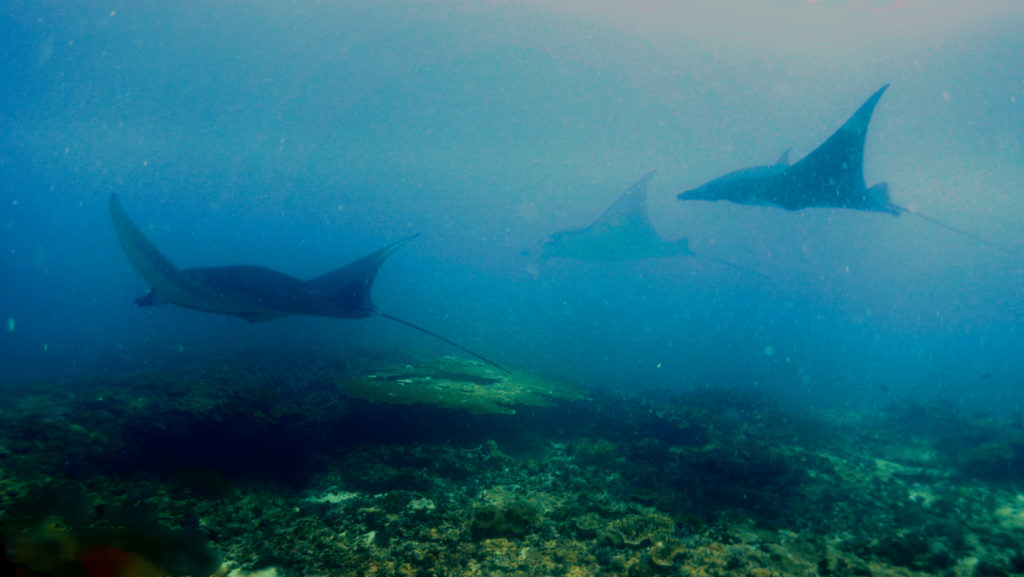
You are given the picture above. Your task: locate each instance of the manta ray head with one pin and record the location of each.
(757, 185)
(699, 193)
(718, 189)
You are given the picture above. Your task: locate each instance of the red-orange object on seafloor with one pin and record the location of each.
(103, 561)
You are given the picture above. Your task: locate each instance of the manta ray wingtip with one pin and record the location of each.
(387, 250)
(878, 94)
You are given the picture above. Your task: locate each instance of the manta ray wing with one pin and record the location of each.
(351, 283)
(629, 212)
(832, 175)
(169, 284)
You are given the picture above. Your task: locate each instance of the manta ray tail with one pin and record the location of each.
(352, 283)
(733, 265)
(449, 341)
(903, 210)
(682, 247)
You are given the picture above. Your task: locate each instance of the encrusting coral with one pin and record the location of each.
(635, 530)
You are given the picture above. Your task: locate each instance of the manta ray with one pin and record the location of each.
(257, 293)
(622, 232)
(831, 176)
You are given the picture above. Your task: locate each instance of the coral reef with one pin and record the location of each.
(516, 519)
(308, 466)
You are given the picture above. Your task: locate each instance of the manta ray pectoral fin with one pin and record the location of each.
(784, 159)
(832, 175)
(144, 256)
(169, 284)
(352, 283)
(629, 210)
(645, 180)
(843, 151)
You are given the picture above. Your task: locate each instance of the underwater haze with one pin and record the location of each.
(303, 135)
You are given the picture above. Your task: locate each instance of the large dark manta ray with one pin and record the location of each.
(832, 175)
(257, 293)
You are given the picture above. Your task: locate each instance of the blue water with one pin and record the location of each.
(302, 136)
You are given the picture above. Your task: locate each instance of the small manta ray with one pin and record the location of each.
(832, 175)
(256, 293)
(622, 232)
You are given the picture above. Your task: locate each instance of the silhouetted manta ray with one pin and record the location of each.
(832, 175)
(256, 293)
(622, 232)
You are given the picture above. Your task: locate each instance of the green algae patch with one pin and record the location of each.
(454, 383)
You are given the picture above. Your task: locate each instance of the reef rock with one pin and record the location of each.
(459, 384)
